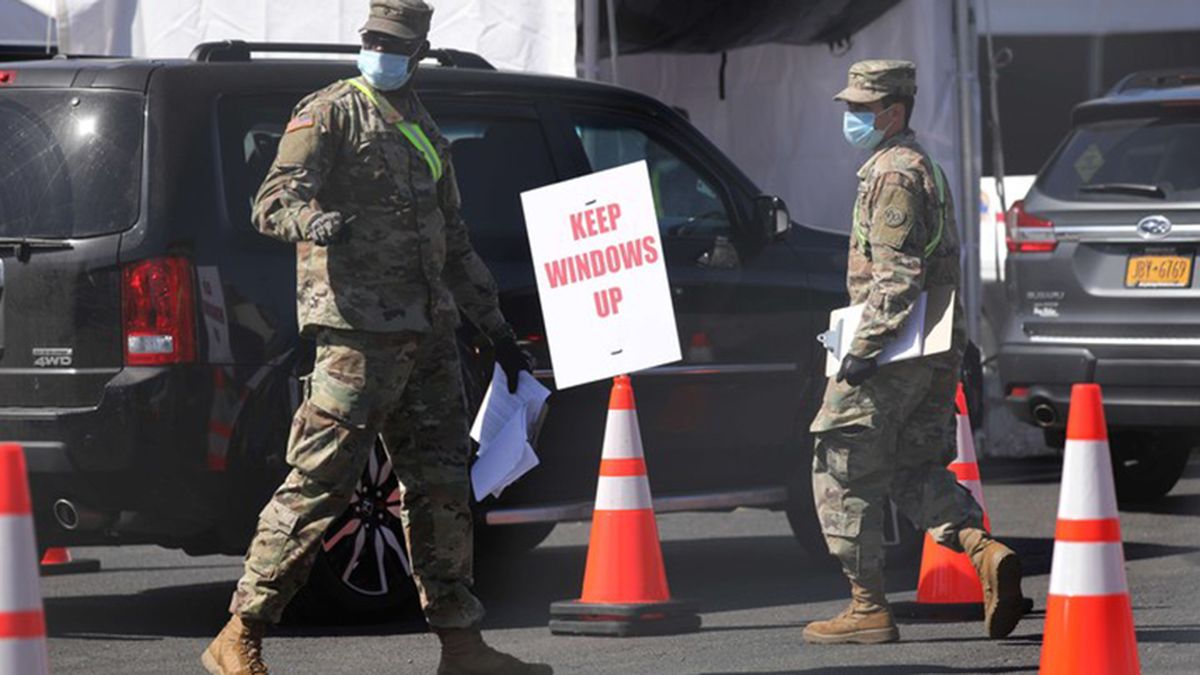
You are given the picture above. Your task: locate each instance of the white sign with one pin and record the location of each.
(601, 275)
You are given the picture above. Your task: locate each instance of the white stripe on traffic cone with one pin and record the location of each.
(22, 623)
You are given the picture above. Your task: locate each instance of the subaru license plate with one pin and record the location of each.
(1158, 271)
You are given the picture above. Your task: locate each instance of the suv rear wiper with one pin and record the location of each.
(26, 245)
(1136, 189)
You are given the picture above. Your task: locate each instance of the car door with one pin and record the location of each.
(717, 419)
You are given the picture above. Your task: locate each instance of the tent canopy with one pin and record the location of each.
(699, 26)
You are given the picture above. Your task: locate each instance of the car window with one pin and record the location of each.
(687, 202)
(250, 128)
(1153, 153)
(498, 153)
(485, 142)
(70, 162)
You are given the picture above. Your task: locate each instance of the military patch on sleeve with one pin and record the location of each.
(300, 122)
(894, 217)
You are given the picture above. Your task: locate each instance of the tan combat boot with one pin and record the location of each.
(868, 620)
(465, 653)
(237, 650)
(999, 571)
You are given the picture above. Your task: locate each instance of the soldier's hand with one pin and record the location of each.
(855, 371)
(512, 360)
(327, 228)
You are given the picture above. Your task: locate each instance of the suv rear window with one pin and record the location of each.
(70, 162)
(1127, 159)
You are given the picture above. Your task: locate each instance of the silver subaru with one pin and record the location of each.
(1101, 279)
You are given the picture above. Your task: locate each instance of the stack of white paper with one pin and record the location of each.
(502, 430)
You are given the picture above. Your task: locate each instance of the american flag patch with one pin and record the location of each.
(301, 122)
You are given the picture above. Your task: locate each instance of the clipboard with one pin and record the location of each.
(928, 330)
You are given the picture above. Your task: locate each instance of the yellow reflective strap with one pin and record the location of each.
(416, 135)
(412, 131)
(940, 181)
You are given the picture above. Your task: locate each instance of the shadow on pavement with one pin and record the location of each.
(1181, 505)
(717, 574)
(1026, 471)
(1037, 552)
(1169, 634)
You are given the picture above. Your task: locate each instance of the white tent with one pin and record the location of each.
(533, 35)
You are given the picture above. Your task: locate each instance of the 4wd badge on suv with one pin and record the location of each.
(56, 357)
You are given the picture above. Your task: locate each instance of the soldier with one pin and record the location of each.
(364, 185)
(885, 430)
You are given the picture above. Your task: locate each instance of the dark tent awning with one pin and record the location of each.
(720, 25)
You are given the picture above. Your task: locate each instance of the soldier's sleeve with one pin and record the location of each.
(287, 201)
(897, 235)
(474, 287)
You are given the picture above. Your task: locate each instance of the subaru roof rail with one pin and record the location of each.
(239, 50)
(1157, 79)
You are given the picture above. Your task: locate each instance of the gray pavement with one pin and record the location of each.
(152, 611)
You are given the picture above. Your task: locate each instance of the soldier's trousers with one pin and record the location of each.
(407, 387)
(893, 436)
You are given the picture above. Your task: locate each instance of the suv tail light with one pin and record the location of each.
(1027, 234)
(158, 302)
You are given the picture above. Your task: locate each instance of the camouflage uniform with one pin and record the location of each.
(382, 305)
(893, 435)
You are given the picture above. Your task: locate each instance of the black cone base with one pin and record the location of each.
(572, 617)
(74, 567)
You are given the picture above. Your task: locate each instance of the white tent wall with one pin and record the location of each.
(1089, 17)
(531, 35)
(26, 22)
(779, 121)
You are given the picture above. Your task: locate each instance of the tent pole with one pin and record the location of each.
(965, 33)
(591, 39)
(614, 42)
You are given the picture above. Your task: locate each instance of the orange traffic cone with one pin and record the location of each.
(948, 578)
(22, 623)
(625, 584)
(1089, 621)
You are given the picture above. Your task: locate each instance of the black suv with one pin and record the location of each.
(1102, 283)
(150, 363)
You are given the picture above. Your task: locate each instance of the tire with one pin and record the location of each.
(906, 540)
(1146, 465)
(362, 571)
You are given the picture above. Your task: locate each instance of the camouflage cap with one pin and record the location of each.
(873, 80)
(405, 19)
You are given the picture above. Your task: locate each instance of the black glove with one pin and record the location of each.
(512, 360)
(327, 228)
(855, 371)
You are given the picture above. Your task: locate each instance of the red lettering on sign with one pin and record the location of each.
(650, 245)
(600, 220)
(608, 302)
(614, 212)
(631, 254)
(590, 218)
(577, 226)
(613, 259)
(556, 271)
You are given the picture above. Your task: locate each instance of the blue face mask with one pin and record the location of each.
(859, 130)
(384, 71)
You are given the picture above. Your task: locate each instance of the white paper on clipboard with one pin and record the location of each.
(928, 331)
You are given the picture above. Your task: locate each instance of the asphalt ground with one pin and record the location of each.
(152, 611)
